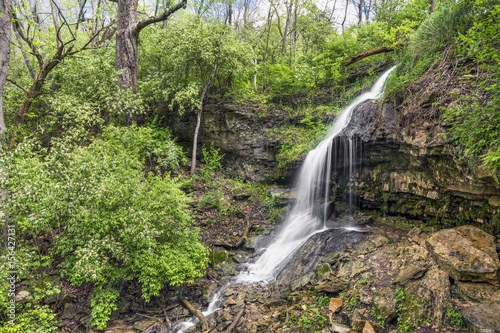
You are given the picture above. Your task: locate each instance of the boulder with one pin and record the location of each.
(483, 317)
(466, 253)
(339, 328)
(478, 292)
(385, 303)
(69, 311)
(410, 272)
(322, 271)
(425, 298)
(20, 296)
(332, 287)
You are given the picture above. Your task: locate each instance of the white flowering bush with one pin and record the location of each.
(107, 220)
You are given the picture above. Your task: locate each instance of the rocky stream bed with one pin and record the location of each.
(373, 276)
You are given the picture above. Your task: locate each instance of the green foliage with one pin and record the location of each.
(102, 304)
(178, 61)
(111, 222)
(475, 119)
(437, 32)
(322, 301)
(150, 143)
(396, 13)
(455, 318)
(364, 281)
(296, 141)
(212, 158)
(31, 315)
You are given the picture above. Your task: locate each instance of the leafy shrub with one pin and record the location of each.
(111, 222)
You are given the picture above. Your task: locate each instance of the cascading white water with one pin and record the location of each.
(304, 220)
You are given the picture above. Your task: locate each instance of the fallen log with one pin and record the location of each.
(236, 320)
(197, 313)
(358, 57)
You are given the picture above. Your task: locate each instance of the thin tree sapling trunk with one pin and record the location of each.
(5, 37)
(200, 112)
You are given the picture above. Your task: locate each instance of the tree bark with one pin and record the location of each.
(63, 50)
(432, 7)
(236, 320)
(269, 17)
(295, 32)
(287, 25)
(254, 74)
(127, 54)
(127, 32)
(358, 57)
(360, 11)
(345, 14)
(230, 12)
(5, 36)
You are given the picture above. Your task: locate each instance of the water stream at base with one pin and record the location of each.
(306, 218)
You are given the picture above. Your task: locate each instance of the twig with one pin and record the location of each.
(17, 85)
(150, 317)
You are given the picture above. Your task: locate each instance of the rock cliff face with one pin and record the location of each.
(406, 164)
(239, 131)
(410, 170)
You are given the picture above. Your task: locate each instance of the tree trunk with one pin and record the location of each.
(345, 14)
(269, 16)
(255, 74)
(287, 25)
(195, 139)
(230, 13)
(127, 54)
(378, 50)
(95, 20)
(432, 6)
(5, 36)
(31, 95)
(202, 98)
(128, 29)
(295, 32)
(360, 11)
(196, 312)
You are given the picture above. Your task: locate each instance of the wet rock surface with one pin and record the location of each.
(381, 279)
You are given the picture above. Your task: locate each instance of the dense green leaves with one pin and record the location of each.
(178, 61)
(111, 222)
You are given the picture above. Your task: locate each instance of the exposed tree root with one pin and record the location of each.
(195, 312)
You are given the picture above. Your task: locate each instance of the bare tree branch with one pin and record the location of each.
(18, 85)
(141, 25)
(29, 42)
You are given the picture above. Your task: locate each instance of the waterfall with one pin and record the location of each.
(315, 172)
(312, 187)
